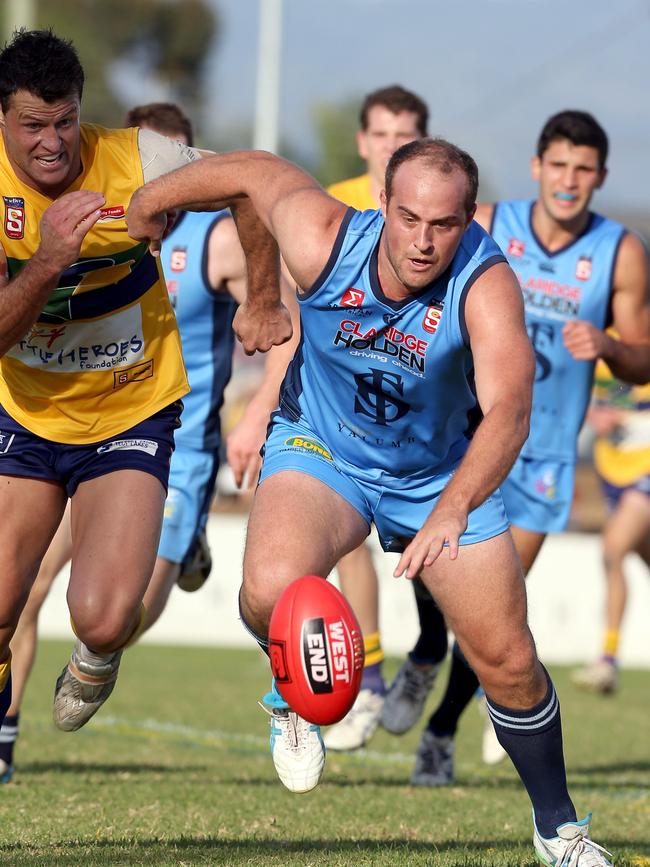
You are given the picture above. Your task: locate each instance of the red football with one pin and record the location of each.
(316, 650)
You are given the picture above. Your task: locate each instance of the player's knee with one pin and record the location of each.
(102, 627)
(507, 663)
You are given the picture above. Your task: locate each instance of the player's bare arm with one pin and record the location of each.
(300, 215)
(629, 357)
(504, 370)
(63, 227)
(245, 440)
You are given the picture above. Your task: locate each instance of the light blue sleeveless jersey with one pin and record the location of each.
(388, 385)
(572, 283)
(205, 323)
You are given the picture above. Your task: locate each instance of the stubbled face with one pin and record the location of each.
(42, 140)
(385, 133)
(425, 221)
(568, 176)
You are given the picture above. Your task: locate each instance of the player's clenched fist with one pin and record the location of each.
(145, 225)
(584, 341)
(65, 224)
(259, 327)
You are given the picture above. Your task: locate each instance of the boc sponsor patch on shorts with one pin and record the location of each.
(311, 446)
(138, 445)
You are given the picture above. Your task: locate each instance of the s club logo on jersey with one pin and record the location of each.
(178, 259)
(432, 317)
(379, 396)
(14, 217)
(583, 268)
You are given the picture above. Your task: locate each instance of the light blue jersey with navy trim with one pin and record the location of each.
(388, 385)
(569, 284)
(205, 323)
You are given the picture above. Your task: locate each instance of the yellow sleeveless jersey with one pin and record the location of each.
(105, 353)
(355, 193)
(624, 456)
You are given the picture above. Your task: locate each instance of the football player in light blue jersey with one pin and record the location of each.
(405, 405)
(578, 273)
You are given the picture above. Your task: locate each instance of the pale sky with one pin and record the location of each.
(492, 71)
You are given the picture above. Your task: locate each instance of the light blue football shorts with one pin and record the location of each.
(538, 494)
(398, 506)
(192, 479)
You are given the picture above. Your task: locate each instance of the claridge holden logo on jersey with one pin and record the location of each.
(327, 654)
(403, 348)
(14, 217)
(148, 446)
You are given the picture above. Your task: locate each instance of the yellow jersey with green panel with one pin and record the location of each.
(105, 352)
(355, 193)
(623, 456)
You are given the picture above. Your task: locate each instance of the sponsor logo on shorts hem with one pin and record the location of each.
(148, 446)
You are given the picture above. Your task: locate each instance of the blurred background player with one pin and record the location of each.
(205, 272)
(389, 117)
(620, 417)
(576, 269)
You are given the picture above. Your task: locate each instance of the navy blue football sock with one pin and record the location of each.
(431, 646)
(461, 686)
(8, 735)
(533, 740)
(5, 699)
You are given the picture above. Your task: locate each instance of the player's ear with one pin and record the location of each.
(383, 201)
(535, 168)
(602, 179)
(362, 144)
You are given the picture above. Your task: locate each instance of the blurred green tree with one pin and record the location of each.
(336, 128)
(158, 40)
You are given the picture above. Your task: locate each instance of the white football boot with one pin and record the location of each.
(407, 696)
(600, 676)
(492, 751)
(297, 748)
(571, 848)
(360, 724)
(83, 686)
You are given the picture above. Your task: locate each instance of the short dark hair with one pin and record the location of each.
(41, 63)
(396, 98)
(165, 117)
(440, 155)
(578, 127)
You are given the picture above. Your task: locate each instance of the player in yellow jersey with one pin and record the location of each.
(91, 374)
(620, 416)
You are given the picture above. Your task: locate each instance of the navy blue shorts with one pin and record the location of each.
(147, 446)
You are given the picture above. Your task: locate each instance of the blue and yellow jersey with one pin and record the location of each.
(558, 286)
(105, 352)
(623, 456)
(355, 192)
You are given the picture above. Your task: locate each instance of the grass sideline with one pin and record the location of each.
(175, 770)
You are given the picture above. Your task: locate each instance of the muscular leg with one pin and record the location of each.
(483, 598)
(23, 643)
(163, 580)
(31, 511)
(116, 521)
(284, 540)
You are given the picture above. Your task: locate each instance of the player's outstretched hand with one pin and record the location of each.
(584, 341)
(65, 224)
(258, 327)
(442, 527)
(144, 225)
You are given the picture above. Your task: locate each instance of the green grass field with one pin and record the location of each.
(175, 770)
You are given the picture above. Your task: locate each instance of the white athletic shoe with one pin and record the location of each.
(492, 751)
(6, 771)
(571, 848)
(407, 696)
(434, 761)
(359, 725)
(600, 676)
(83, 686)
(297, 748)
